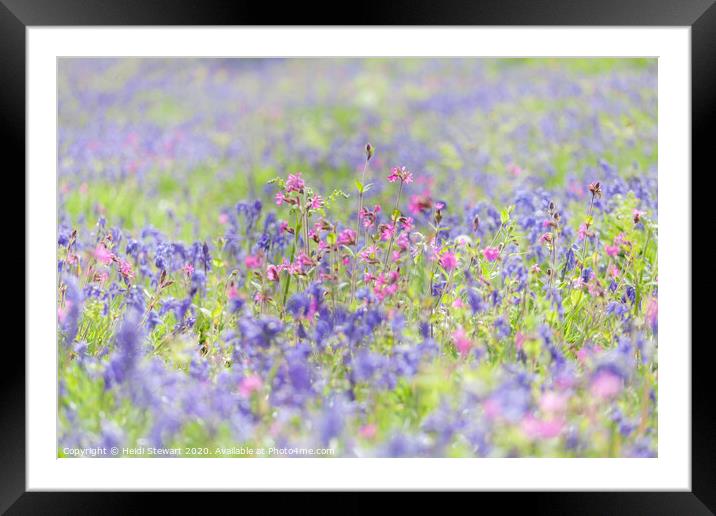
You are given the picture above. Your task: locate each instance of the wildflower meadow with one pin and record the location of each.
(357, 257)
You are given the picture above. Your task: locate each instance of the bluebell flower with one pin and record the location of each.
(69, 314)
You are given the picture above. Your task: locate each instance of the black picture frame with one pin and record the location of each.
(700, 15)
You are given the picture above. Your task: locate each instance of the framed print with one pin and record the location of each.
(425, 252)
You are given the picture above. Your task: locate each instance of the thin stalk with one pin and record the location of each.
(394, 222)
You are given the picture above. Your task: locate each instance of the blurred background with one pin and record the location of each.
(151, 141)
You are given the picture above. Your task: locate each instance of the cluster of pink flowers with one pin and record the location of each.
(461, 341)
(347, 237)
(369, 255)
(368, 217)
(386, 284)
(448, 261)
(295, 183)
(126, 270)
(491, 253)
(103, 255)
(401, 174)
(253, 261)
(106, 257)
(613, 249)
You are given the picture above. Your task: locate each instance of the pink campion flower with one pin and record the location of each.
(316, 202)
(546, 238)
(253, 261)
(368, 217)
(233, 292)
(420, 203)
(294, 268)
(386, 285)
(295, 183)
(272, 273)
(458, 303)
(369, 255)
(619, 239)
(101, 276)
(407, 223)
(304, 259)
(606, 384)
(637, 215)
(368, 431)
(390, 290)
(611, 250)
(520, 341)
(402, 174)
(491, 253)
(188, 269)
(283, 226)
(125, 269)
(388, 279)
(461, 341)
(315, 232)
(582, 232)
(594, 287)
(347, 237)
(249, 385)
(103, 255)
(280, 198)
(402, 241)
(223, 218)
(387, 232)
(448, 261)
(613, 271)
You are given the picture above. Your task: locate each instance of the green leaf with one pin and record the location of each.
(504, 215)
